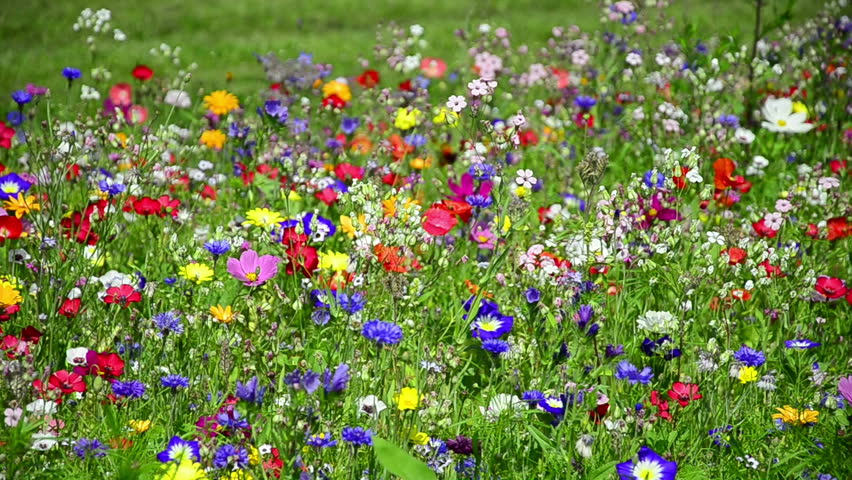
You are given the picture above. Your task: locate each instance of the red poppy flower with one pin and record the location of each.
(830, 287)
(724, 178)
(735, 255)
(598, 413)
(122, 295)
(143, 73)
(527, 138)
(107, 365)
(347, 171)
(599, 269)
(837, 166)
(684, 393)
(406, 86)
(302, 258)
(208, 192)
(168, 206)
(662, 406)
(438, 222)
(66, 382)
(6, 134)
(70, 307)
(838, 227)
(462, 210)
(10, 228)
(398, 147)
(368, 79)
(30, 334)
(146, 206)
(584, 120)
(327, 196)
(772, 271)
(121, 95)
(680, 181)
(762, 230)
(136, 115)
(433, 67)
(333, 101)
(812, 231)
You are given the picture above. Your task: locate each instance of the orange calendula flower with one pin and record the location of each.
(21, 205)
(221, 102)
(792, 416)
(474, 289)
(336, 87)
(214, 139)
(222, 314)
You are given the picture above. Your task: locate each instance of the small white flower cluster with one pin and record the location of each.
(98, 23)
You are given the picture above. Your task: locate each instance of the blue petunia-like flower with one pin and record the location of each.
(648, 465)
(232, 456)
(357, 436)
(750, 357)
(801, 344)
(11, 185)
(174, 381)
(318, 228)
(250, 391)
(627, 371)
(495, 346)
(232, 420)
(131, 389)
(533, 295)
(553, 405)
(491, 325)
(179, 450)
(383, 333)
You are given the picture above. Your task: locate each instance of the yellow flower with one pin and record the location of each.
(197, 272)
(507, 224)
(292, 196)
(214, 139)
(420, 163)
(21, 205)
(799, 107)
(349, 228)
(140, 426)
(338, 88)
(221, 102)
(522, 192)
(9, 295)
(262, 217)
(185, 470)
(240, 475)
(333, 261)
(254, 455)
(406, 119)
(419, 438)
(747, 374)
(791, 416)
(447, 116)
(222, 314)
(94, 255)
(407, 399)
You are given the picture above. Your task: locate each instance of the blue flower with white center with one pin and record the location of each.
(491, 325)
(801, 344)
(11, 185)
(179, 450)
(648, 465)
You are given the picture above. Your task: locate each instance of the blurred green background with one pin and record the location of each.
(222, 35)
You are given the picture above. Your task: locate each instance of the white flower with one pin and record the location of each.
(778, 116)
(579, 57)
(716, 237)
(44, 441)
(760, 162)
(76, 356)
(484, 28)
(89, 93)
(456, 103)
(371, 406)
(634, 59)
(479, 87)
(178, 99)
(715, 85)
(41, 407)
(525, 178)
(118, 35)
(411, 63)
(774, 220)
(584, 446)
(827, 183)
(499, 404)
(659, 322)
(694, 176)
(416, 30)
(518, 121)
(743, 135)
(13, 416)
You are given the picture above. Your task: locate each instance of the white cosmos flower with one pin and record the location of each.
(500, 403)
(743, 135)
(778, 116)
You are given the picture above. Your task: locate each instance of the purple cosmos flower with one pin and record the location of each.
(627, 371)
(383, 333)
(801, 344)
(466, 187)
(648, 465)
(357, 436)
(86, 448)
(253, 270)
(179, 450)
(250, 391)
(230, 455)
(750, 357)
(483, 236)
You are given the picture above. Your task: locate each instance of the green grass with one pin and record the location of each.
(222, 35)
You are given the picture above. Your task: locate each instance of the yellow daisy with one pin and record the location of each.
(221, 102)
(263, 217)
(21, 205)
(197, 272)
(222, 314)
(333, 261)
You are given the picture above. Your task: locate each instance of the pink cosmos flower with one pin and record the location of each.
(253, 270)
(844, 386)
(466, 187)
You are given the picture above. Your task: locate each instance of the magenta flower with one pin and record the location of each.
(253, 270)
(482, 235)
(655, 211)
(844, 386)
(465, 188)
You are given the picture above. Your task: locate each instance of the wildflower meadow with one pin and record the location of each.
(618, 252)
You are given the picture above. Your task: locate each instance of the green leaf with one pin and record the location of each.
(400, 463)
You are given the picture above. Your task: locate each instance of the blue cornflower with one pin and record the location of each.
(533, 295)
(170, 280)
(231, 456)
(357, 436)
(174, 381)
(585, 102)
(168, 322)
(111, 189)
(179, 450)
(21, 97)
(250, 391)
(232, 420)
(274, 108)
(584, 316)
(15, 118)
(351, 304)
(495, 346)
(298, 126)
(532, 396)
(654, 181)
(86, 448)
(320, 316)
(337, 381)
(593, 330)
(750, 357)
(415, 140)
(130, 389)
(321, 440)
(387, 333)
(217, 248)
(481, 171)
(71, 74)
(627, 371)
(728, 120)
(613, 351)
(349, 125)
(480, 201)
(801, 344)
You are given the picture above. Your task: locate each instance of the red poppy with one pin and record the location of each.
(563, 77)
(438, 222)
(146, 206)
(662, 406)
(121, 95)
(30, 334)
(168, 206)
(735, 255)
(762, 230)
(327, 196)
(143, 73)
(740, 294)
(680, 181)
(599, 269)
(398, 147)
(598, 413)
(368, 79)
(406, 86)
(122, 295)
(10, 228)
(462, 210)
(107, 365)
(302, 258)
(347, 171)
(333, 101)
(830, 287)
(66, 382)
(6, 134)
(838, 227)
(70, 307)
(208, 192)
(433, 67)
(584, 120)
(684, 393)
(275, 464)
(724, 177)
(527, 138)
(812, 231)
(837, 166)
(772, 271)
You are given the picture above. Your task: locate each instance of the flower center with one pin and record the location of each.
(652, 212)
(251, 276)
(782, 123)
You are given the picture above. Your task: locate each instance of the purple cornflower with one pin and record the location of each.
(728, 120)
(230, 455)
(168, 322)
(217, 248)
(479, 201)
(71, 74)
(22, 97)
(383, 333)
(86, 448)
(584, 102)
(351, 304)
(111, 189)
(253, 270)
(750, 357)
(250, 391)
(232, 419)
(130, 389)
(495, 346)
(321, 440)
(533, 295)
(614, 351)
(584, 316)
(461, 445)
(357, 436)
(179, 450)
(532, 396)
(481, 171)
(627, 371)
(174, 381)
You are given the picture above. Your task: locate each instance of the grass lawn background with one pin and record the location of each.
(222, 35)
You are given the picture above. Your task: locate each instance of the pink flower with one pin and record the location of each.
(466, 187)
(253, 270)
(844, 386)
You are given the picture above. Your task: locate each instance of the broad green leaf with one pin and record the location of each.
(400, 463)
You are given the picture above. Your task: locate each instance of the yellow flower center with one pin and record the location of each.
(251, 276)
(782, 123)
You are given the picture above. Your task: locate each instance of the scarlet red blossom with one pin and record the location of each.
(327, 196)
(838, 228)
(683, 393)
(347, 171)
(70, 307)
(30, 334)
(146, 206)
(772, 271)
(107, 365)
(302, 258)
(662, 406)
(762, 230)
(10, 228)
(831, 288)
(368, 79)
(598, 413)
(735, 255)
(122, 295)
(680, 181)
(6, 135)
(462, 210)
(528, 138)
(66, 382)
(333, 101)
(438, 222)
(143, 73)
